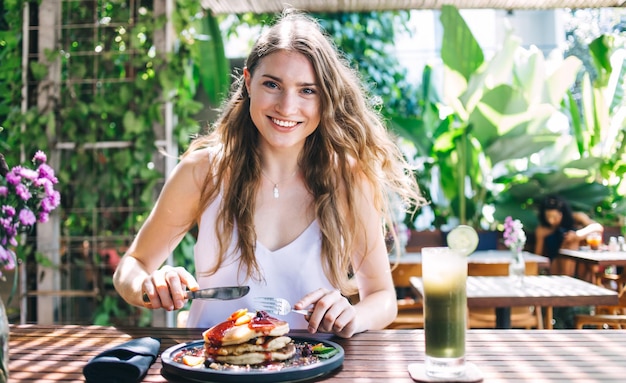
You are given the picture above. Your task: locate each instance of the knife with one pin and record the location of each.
(221, 293)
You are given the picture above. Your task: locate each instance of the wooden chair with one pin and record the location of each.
(521, 317)
(410, 309)
(607, 316)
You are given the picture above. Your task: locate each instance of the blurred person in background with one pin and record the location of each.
(561, 228)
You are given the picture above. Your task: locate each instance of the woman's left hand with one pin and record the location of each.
(332, 312)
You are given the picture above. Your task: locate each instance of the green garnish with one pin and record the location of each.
(324, 352)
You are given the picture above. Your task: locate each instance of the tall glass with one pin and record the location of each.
(444, 274)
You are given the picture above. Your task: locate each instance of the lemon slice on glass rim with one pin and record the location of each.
(463, 239)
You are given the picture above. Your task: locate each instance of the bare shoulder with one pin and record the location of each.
(195, 165)
(542, 231)
(200, 157)
(183, 187)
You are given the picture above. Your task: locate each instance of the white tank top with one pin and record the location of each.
(290, 272)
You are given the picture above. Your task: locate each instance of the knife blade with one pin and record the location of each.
(221, 293)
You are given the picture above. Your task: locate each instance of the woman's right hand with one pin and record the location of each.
(166, 287)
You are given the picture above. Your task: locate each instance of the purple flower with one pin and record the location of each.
(8, 210)
(51, 202)
(5, 224)
(7, 259)
(46, 184)
(43, 217)
(40, 157)
(47, 172)
(26, 197)
(11, 230)
(514, 236)
(27, 218)
(13, 177)
(22, 191)
(4, 254)
(29, 174)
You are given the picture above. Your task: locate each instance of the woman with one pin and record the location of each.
(289, 192)
(560, 228)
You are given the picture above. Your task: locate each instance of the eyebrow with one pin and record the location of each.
(278, 79)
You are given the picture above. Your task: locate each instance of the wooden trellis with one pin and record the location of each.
(47, 295)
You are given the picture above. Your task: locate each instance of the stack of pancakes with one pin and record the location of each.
(247, 338)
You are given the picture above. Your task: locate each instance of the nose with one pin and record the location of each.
(287, 103)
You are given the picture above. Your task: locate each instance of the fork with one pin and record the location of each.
(277, 306)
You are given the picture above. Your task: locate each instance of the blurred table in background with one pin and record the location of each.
(596, 259)
(547, 291)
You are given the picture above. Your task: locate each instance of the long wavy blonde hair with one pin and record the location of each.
(350, 142)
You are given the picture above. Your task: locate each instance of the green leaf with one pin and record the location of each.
(495, 72)
(617, 101)
(132, 123)
(561, 80)
(213, 66)
(600, 50)
(459, 49)
(40, 71)
(587, 101)
(577, 127)
(508, 148)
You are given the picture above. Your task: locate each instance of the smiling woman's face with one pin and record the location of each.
(284, 99)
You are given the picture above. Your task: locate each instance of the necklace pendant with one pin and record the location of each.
(276, 195)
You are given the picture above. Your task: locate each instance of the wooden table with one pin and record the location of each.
(537, 290)
(58, 353)
(595, 258)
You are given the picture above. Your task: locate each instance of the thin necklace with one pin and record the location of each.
(276, 193)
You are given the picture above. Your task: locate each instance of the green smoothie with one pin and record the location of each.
(444, 274)
(444, 323)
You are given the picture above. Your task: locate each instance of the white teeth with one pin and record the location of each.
(285, 124)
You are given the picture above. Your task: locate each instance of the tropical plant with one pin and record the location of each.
(587, 165)
(491, 114)
(598, 119)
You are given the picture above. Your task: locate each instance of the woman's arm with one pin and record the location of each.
(588, 225)
(541, 233)
(162, 231)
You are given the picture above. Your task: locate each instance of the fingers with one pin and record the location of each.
(332, 313)
(165, 288)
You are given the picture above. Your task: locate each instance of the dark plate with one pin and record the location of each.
(175, 371)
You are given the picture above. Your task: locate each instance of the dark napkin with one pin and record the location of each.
(127, 362)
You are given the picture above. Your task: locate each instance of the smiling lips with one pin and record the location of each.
(284, 124)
